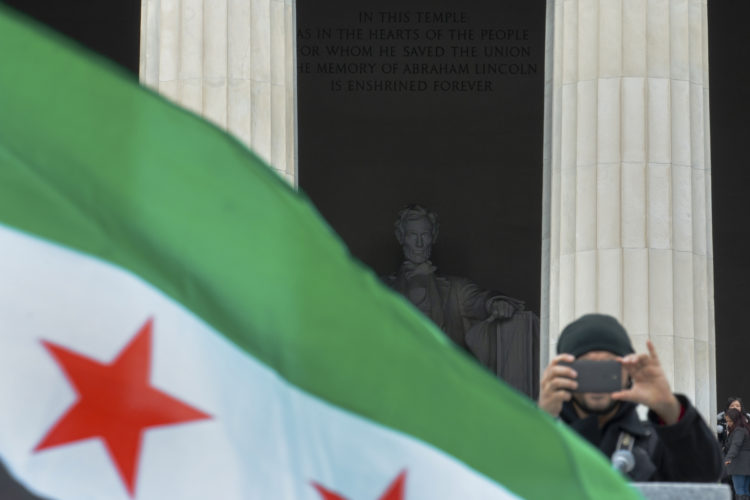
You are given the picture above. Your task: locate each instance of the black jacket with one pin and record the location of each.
(721, 430)
(738, 452)
(685, 451)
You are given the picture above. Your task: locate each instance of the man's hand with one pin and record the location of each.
(557, 384)
(650, 385)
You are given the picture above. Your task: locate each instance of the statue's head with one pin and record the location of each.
(416, 231)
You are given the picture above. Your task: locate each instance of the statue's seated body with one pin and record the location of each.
(470, 316)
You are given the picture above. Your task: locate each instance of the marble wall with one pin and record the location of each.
(231, 61)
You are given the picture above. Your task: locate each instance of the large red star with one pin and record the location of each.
(395, 490)
(115, 403)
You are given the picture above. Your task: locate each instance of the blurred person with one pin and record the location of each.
(721, 423)
(737, 458)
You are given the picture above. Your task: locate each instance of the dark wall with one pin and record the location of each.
(476, 160)
(729, 42)
(472, 154)
(109, 27)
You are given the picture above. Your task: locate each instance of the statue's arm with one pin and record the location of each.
(477, 303)
(503, 307)
(471, 299)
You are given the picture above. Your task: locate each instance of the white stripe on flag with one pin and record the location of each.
(266, 438)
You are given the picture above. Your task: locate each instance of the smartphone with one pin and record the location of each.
(597, 376)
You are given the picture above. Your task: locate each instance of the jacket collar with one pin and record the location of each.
(625, 419)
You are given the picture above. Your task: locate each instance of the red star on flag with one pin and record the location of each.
(395, 490)
(116, 403)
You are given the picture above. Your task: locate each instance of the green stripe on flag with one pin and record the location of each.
(91, 161)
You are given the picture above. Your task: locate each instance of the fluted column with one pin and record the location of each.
(231, 61)
(627, 228)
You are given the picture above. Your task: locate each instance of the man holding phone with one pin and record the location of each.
(581, 386)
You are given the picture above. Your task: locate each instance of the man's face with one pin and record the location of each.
(417, 242)
(736, 405)
(598, 401)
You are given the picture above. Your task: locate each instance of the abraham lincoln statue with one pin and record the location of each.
(494, 328)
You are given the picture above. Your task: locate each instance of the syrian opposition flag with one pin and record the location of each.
(177, 323)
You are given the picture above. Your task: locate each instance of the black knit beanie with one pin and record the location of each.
(594, 332)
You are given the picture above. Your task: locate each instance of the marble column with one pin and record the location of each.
(627, 194)
(231, 61)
